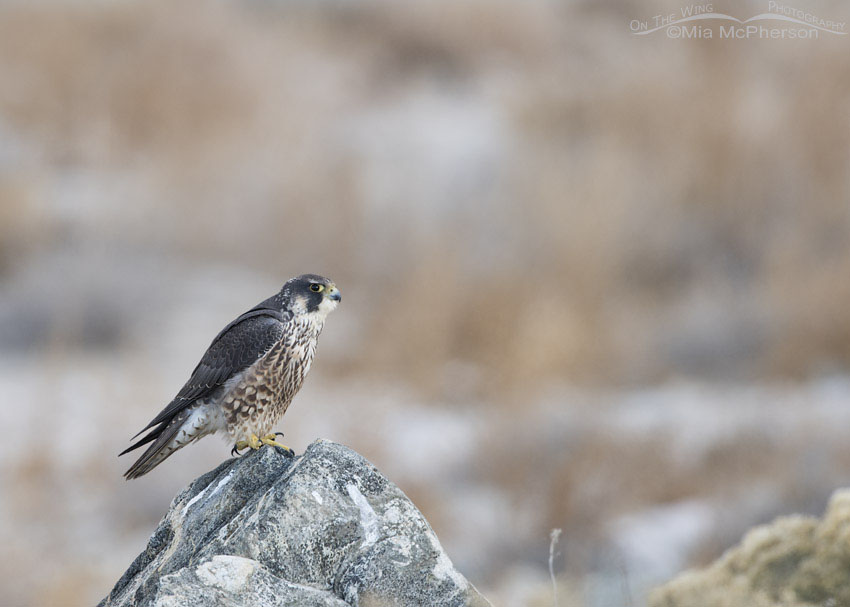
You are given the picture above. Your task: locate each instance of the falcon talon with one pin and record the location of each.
(287, 451)
(247, 377)
(290, 451)
(269, 439)
(238, 446)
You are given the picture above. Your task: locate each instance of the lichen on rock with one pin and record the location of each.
(796, 561)
(325, 529)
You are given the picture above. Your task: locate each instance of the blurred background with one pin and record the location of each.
(592, 281)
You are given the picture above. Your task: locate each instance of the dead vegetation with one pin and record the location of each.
(515, 197)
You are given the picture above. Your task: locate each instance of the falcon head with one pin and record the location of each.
(310, 294)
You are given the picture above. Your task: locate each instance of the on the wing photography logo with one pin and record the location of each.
(781, 21)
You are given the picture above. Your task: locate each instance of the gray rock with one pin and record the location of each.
(324, 529)
(235, 580)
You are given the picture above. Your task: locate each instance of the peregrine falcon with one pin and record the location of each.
(247, 377)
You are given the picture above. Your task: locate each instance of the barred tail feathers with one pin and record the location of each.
(185, 427)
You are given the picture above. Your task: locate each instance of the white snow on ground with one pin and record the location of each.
(63, 495)
(368, 519)
(657, 542)
(215, 490)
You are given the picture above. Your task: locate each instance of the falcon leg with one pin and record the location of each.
(269, 439)
(252, 441)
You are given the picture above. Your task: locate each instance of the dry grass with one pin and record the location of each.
(639, 217)
(511, 195)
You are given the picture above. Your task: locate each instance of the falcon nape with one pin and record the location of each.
(247, 377)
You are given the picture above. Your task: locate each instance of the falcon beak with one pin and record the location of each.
(334, 294)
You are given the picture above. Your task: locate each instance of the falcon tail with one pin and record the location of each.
(167, 438)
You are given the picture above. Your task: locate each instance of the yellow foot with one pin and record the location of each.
(256, 443)
(269, 439)
(252, 442)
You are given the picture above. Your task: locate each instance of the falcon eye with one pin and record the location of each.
(316, 288)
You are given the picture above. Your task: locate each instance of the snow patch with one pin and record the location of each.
(318, 497)
(192, 501)
(220, 484)
(227, 572)
(392, 515)
(368, 518)
(443, 568)
(658, 541)
(404, 548)
(223, 482)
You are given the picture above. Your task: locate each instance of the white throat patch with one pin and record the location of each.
(299, 308)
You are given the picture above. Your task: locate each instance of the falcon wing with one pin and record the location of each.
(239, 345)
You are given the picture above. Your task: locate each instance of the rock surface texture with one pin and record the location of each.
(325, 529)
(795, 561)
